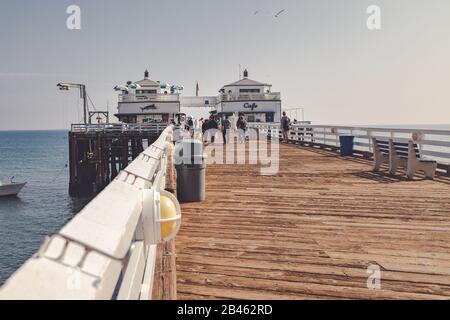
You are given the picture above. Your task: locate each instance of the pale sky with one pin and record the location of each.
(318, 53)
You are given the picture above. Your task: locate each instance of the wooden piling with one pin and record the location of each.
(95, 158)
(165, 278)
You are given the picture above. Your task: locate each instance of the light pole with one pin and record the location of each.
(83, 95)
(296, 112)
(303, 114)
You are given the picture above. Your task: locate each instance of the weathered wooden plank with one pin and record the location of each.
(312, 230)
(300, 289)
(165, 278)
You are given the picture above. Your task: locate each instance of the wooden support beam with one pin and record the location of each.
(165, 279)
(96, 158)
(124, 160)
(73, 180)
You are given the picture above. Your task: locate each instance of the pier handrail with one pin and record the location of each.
(250, 97)
(119, 127)
(433, 143)
(104, 252)
(145, 97)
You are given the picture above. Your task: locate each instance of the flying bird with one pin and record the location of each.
(279, 13)
(256, 12)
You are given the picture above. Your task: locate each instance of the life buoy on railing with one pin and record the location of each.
(161, 216)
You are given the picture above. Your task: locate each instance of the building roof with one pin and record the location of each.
(147, 83)
(246, 82)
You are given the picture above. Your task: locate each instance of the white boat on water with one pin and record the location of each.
(11, 188)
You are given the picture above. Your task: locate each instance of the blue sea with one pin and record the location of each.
(41, 159)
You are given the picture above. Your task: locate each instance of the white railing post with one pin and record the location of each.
(369, 137)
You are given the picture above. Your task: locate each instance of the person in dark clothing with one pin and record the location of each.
(190, 126)
(242, 127)
(285, 127)
(205, 130)
(190, 123)
(212, 127)
(226, 128)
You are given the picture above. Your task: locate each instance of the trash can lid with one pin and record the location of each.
(189, 147)
(189, 151)
(198, 159)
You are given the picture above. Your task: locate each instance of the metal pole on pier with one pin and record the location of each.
(83, 95)
(85, 105)
(296, 112)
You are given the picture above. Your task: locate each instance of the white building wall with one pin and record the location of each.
(198, 112)
(235, 90)
(198, 102)
(140, 107)
(246, 107)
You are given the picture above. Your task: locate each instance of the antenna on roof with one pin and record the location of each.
(240, 73)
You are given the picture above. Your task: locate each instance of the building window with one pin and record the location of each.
(251, 118)
(249, 90)
(146, 91)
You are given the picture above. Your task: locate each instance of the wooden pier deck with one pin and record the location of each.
(311, 231)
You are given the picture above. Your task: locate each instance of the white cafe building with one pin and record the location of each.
(147, 101)
(249, 97)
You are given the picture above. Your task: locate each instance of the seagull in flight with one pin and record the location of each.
(279, 13)
(256, 12)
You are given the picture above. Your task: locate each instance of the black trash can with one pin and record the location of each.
(347, 144)
(191, 171)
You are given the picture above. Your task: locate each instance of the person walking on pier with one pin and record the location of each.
(190, 126)
(211, 128)
(285, 127)
(242, 127)
(204, 126)
(226, 128)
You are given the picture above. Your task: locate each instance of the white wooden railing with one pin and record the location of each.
(156, 128)
(250, 96)
(433, 144)
(108, 250)
(130, 97)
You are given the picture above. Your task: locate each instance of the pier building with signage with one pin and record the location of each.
(148, 101)
(255, 100)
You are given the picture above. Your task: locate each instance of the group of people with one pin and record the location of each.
(211, 126)
(215, 123)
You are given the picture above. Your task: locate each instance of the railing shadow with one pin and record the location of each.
(382, 176)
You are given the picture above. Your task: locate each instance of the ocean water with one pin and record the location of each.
(43, 206)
